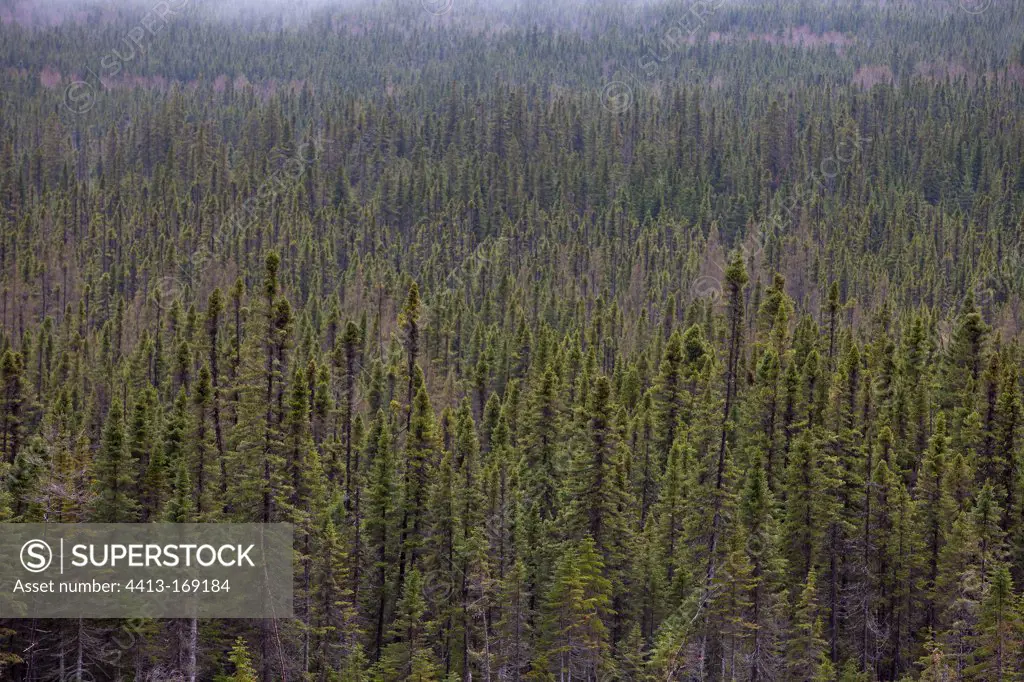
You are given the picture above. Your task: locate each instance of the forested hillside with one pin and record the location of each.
(639, 341)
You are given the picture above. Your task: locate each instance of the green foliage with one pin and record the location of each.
(725, 386)
(114, 474)
(242, 662)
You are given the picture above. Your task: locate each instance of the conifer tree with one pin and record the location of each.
(142, 441)
(767, 568)
(807, 508)
(1005, 442)
(469, 506)
(214, 311)
(349, 349)
(672, 512)
(204, 465)
(241, 659)
(411, 323)
(736, 280)
(761, 415)
(649, 582)
(934, 507)
(381, 509)
(11, 404)
(574, 640)
(421, 446)
(964, 361)
(333, 617)
(514, 629)
(805, 648)
(541, 445)
(593, 499)
(644, 465)
(114, 474)
(181, 507)
(23, 481)
(895, 518)
(441, 568)
(999, 652)
(167, 456)
(409, 657)
(935, 664)
(261, 486)
(669, 395)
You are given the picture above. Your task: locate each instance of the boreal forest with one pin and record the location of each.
(649, 340)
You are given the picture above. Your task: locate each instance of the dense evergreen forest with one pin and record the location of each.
(600, 341)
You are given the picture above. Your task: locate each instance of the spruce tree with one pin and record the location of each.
(204, 448)
(934, 508)
(999, 650)
(421, 446)
(805, 647)
(573, 638)
(114, 475)
(11, 404)
(411, 323)
(333, 617)
(409, 657)
(380, 522)
(762, 540)
(241, 659)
